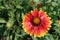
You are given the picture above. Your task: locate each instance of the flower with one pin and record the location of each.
(31, 3)
(36, 23)
(38, 5)
(59, 21)
(9, 25)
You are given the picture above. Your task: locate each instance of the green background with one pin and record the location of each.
(11, 16)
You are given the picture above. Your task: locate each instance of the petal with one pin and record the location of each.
(45, 21)
(38, 34)
(34, 13)
(35, 32)
(27, 24)
(44, 28)
(29, 30)
(28, 27)
(32, 32)
(27, 17)
(42, 31)
(41, 14)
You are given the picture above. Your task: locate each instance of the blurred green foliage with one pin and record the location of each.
(12, 12)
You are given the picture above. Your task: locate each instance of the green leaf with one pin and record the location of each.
(22, 15)
(54, 12)
(51, 8)
(1, 26)
(0, 0)
(44, 7)
(2, 20)
(58, 1)
(34, 38)
(49, 37)
(2, 7)
(10, 37)
(48, 1)
(54, 4)
(18, 16)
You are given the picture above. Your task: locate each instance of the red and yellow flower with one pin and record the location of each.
(36, 23)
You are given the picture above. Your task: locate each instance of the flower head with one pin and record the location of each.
(38, 5)
(36, 23)
(9, 25)
(59, 21)
(32, 3)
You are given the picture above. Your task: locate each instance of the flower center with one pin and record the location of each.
(36, 20)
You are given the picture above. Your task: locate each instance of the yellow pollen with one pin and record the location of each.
(36, 20)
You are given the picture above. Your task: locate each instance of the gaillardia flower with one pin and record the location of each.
(36, 23)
